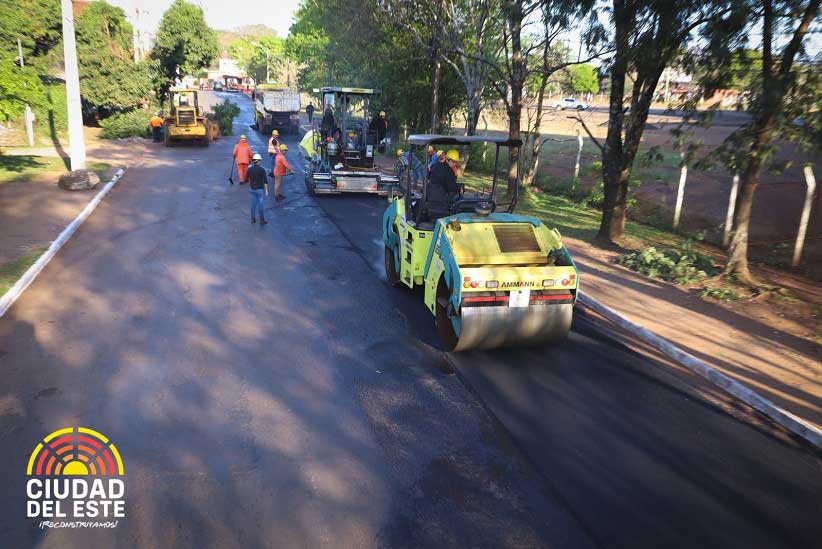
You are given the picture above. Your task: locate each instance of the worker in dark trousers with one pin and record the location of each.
(156, 123)
(443, 188)
(258, 185)
(328, 124)
(309, 110)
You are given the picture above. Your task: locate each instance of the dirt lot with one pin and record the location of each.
(777, 204)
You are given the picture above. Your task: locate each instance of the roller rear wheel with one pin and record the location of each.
(391, 272)
(446, 324)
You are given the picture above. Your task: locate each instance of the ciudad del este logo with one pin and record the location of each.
(76, 473)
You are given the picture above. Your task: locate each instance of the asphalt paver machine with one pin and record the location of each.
(491, 278)
(340, 157)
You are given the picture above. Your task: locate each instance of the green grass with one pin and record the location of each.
(21, 168)
(11, 271)
(573, 219)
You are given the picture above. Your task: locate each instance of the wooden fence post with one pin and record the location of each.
(806, 215)
(680, 192)
(729, 219)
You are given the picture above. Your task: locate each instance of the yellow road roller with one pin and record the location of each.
(491, 278)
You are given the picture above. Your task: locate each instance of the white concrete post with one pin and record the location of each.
(729, 219)
(579, 154)
(77, 146)
(29, 119)
(806, 215)
(680, 192)
(28, 116)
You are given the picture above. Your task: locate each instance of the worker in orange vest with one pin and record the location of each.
(281, 166)
(274, 148)
(156, 123)
(242, 155)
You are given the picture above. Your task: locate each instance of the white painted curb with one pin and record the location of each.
(745, 394)
(28, 277)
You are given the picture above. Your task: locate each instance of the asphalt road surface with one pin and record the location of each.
(266, 387)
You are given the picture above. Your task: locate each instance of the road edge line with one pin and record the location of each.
(8, 299)
(747, 395)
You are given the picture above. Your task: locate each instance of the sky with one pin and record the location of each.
(220, 14)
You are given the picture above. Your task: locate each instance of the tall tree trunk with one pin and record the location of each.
(437, 66)
(435, 95)
(530, 174)
(610, 227)
(775, 81)
(515, 103)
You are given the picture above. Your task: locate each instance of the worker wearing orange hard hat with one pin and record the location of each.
(243, 156)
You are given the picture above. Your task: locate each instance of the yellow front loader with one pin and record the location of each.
(186, 120)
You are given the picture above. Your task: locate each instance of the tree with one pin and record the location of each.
(648, 35)
(583, 78)
(184, 43)
(787, 88)
(526, 36)
(341, 43)
(38, 25)
(109, 80)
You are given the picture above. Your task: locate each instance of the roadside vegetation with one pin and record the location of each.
(24, 167)
(117, 93)
(10, 272)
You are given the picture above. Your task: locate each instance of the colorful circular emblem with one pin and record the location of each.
(75, 451)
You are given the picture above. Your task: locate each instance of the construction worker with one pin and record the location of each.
(309, 110)
(281, 167)
(274, 148)
(328, 124)
(406, 159)
(156, 123)
(380, 124)
(258, 184)
(243, 156)
(439, 156)
(442, 183)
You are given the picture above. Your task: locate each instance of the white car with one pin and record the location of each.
(571, 103)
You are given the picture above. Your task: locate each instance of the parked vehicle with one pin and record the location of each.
(571, 103)
(276, 109)
(218, 86)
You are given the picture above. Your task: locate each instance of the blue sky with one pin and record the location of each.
(220, 14)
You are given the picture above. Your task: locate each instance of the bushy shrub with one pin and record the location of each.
(127, 124)
(681, 264)
(224, 114)
(721, 294)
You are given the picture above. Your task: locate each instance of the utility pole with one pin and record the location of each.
(77, 147)
(29, 116)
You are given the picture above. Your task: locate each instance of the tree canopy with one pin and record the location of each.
(110, 81)
(184, 43)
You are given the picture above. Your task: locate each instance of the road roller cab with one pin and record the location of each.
(491, 278)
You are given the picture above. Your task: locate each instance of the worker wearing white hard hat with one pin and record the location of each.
(257, 181)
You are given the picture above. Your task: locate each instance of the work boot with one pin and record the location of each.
(253, 219)
(263, 222)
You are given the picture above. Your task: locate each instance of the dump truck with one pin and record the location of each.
(490, 278)
(186, 120)
(276, 108)
(341, 159)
